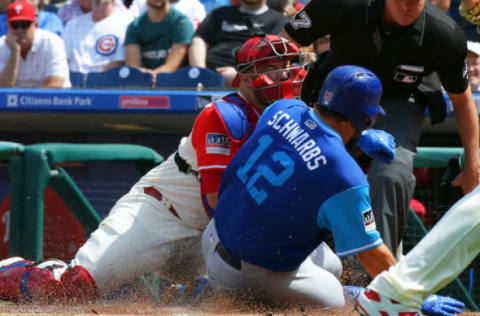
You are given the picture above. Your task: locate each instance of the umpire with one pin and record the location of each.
(406, 43)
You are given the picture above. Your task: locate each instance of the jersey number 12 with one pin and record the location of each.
(262, 170)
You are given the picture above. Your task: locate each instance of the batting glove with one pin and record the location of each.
(352, 292)
(377, 144)
(437, 305)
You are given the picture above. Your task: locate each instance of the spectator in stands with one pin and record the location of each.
(94, 41)
(73, 8)
(211, 5)
(444, 5)
(157, 41)
(224, 29)
(193, 9)
(31, 57)
(473, 62)
(286, 7)
(3, 6)
(49, 7)
(46, 20)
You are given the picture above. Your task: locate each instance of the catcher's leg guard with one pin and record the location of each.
(79, 285)
(11, 271)
(20, 281)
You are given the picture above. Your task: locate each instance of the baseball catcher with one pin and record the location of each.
(157, 225)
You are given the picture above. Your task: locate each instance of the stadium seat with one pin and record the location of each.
(188, 77)
(123, 76)
(77, 79)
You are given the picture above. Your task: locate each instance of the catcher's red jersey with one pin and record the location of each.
(215, 140)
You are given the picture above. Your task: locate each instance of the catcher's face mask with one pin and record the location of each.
(275, 65)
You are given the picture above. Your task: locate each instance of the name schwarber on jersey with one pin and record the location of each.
(303, 143)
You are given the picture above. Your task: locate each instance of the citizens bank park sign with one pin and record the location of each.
(96, 100)
(73, 100)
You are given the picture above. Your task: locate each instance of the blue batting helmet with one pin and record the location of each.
(355, 93)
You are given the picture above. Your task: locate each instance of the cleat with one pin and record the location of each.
(201, 288)
(371, 303)
(11, 272)
(21, 281)
(187, 293)
(9, 261)
(79, 285)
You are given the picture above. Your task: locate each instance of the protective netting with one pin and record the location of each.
(433, 196)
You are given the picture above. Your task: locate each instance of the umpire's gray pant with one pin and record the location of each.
(392, 185)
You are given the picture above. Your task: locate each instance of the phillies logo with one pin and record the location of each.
(107, 45)
(18, 8)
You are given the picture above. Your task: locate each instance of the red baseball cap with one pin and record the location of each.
(21, 11)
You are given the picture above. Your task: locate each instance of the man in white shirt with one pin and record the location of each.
(94, 41)
(31, 57)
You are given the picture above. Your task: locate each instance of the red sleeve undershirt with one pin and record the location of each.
(212, 157)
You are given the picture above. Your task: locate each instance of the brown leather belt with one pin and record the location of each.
(157, 195)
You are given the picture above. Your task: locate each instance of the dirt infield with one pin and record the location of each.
(210, 306)
(140, 301)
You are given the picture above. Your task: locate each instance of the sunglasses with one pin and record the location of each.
(20, 24)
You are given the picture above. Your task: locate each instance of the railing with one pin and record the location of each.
(33, 168)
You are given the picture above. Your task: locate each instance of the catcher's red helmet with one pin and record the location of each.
(259, 50)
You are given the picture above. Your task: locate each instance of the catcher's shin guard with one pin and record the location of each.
(21, 281)
(79, 285)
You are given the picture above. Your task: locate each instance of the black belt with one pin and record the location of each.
(184, 167)
(230, 259)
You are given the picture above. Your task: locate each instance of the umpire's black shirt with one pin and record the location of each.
(401, 58)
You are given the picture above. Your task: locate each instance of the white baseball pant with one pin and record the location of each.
(438, 258)
(315, 281)
(140, 235)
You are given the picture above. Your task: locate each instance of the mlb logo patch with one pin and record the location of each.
(218, 144)
(368, 220)
(310, 124)
(107, 45)
(408, 73)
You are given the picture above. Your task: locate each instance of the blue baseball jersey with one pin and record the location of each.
(290, 186)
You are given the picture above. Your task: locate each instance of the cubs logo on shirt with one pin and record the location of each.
(107, 45)
(218, 144)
